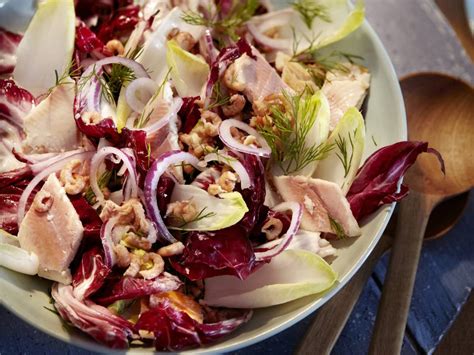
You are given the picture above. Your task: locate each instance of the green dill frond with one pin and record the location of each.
(287, 136)
(71, 70)
(201, 215)
(217, 97)
(343, 155)
(237, 16)
(103, 181)
(337, 228)
(309, 10)
(135, 53)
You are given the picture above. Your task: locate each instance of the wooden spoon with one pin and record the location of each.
(329, 321)
(440, 111)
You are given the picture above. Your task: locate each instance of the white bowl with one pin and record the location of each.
(386, 123)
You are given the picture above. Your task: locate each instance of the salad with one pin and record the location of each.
(173, 165)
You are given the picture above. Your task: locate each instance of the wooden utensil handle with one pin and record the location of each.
(332, 317)
(397, 290)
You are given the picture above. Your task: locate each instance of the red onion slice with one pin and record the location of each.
(157, 169)
(88, 99)
(130, 191)
(43, 174)
(107, 242)
(226, 137)
(234, 163)
(43, 161)
(297, 212)
(137, 68)
(139, 92)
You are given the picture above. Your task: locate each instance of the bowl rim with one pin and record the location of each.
(306, 311)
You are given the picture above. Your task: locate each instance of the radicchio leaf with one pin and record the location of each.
(189, 114)
(130, 287)
(89, 218)
(224, 252)
(226, 57)
(176, 330)
(15, 103)
(8, 43)
(86, 40)
(95, 320)
(134, 139)
(254, 196)
(90, 275)
(376, 182)
(121, 23)
(9, 198)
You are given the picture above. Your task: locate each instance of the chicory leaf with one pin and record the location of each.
(342, 162)
(290, 275)
(49, 39)
(214, 213)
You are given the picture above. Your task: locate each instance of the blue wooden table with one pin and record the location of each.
(446, 272)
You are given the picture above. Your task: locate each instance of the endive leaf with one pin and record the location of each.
(290, 275)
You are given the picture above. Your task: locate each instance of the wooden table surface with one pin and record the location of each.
(442, 312)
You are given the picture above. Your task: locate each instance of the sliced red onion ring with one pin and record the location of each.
(43, 161)
(98, 158)
(107, 242)
(260, 37)
(157, 169)
(139, 92)
(88, 99)
(137, 68)
(270, 21)
(234, 163)
(297, 212)
(54, 167)
(226, 137)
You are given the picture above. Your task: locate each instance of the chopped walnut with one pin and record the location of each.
(147, 265)
(158, 266)
(122, 255)
(272, 228)
(135, 241)
(43, 201)
(115, 46)
(134, 266)
(172, 249)
(131, 212)
(235, 106)
(180, 212)
(227, 181)
(230, 79)
(73, 177)
(250, 140)
(201, 139)
(184, 39)
(214, 189)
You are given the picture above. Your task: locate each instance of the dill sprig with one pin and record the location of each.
(217, 97)
(343, 155)
(103, 181)
(309, 10)
(201, 215)
(145, 116)
(237, 16)
(287, 136)
(337, 228)
(71, 70)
